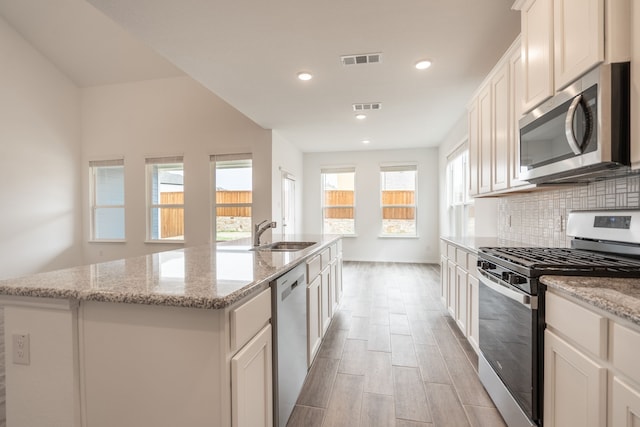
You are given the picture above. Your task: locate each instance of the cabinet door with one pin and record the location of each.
(461, 303)
(575, 386)
(578, 38)
(325, 299)
(338, 280)
(333, 273)
(515, 82)
(451, 279)
(473, 315)
(625, 408)
(500, 128)
(474, 143)
(537, 52)
(251, 383)
(484, 141)
(444, 281)
(314, 321)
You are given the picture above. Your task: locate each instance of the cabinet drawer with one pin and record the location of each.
(580, 325)
(443, 248)
(248, 319)
(333, 251)
(325, 258)
(313, 268)
(472, 265)
(451, 252)
(461, 258)
(624, 346)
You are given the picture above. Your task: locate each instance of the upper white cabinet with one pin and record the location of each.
(493, 115)
(563, 39)
(537, 51)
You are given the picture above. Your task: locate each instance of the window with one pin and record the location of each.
(459, 205)
(107, 199)
(338, 201)
(398, 194)
(233, 183)
(165, 199)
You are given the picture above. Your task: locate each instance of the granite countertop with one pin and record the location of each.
(620, 297)
(472, 244)
(209, 276)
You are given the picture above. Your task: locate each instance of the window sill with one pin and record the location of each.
(106, 241)
(342, 235)
(387, 236)
(166, 242)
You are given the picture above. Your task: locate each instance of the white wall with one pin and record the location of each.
(165, 117)
(40, 226)
(368, 246)
(286, 157)
(486, 209)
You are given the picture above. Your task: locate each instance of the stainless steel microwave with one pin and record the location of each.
(582, 133)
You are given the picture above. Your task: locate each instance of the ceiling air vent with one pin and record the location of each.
(367, 106)
(364, 58)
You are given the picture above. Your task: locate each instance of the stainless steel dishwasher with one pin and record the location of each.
(289, 317)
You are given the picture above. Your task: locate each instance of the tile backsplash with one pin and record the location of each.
(539, 217)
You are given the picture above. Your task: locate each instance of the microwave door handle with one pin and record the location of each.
(568, 126)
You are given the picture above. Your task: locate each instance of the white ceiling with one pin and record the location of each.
(249, 51)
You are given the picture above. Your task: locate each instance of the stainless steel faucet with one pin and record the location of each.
(258, 229)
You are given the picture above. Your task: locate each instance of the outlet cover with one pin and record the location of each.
(21, 349)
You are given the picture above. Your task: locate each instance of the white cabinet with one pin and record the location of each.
(484, 141)
(325, 297)
(537, 51)
(461, 299)
(625, 409)
(314, 321)
(459, 289)
(474, 144)
(515, 111)
(574, 386)
(578, 34)
(563, 39)
(500, 136)
(251, 383)
(591, 373)
(473, 315)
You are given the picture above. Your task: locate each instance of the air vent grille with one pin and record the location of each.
(359, 59)
(367, 106)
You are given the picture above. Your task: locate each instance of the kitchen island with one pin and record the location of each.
(157, 340)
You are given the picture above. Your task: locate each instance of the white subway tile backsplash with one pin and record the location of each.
(539, 217)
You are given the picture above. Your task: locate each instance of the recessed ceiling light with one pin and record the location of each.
(361, 116)
(304, 76)
(423, 64)
(366, 141)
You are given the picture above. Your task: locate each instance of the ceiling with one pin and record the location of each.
(248, 52)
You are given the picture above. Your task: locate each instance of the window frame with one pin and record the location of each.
(399, 167)
(213, 159)
(336, 170)
(94, 206)
(149, 163)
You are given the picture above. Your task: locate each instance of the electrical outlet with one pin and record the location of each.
(21, 349)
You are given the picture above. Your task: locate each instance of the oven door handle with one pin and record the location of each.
(531, 302)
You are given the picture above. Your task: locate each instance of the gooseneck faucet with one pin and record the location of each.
(260, 228)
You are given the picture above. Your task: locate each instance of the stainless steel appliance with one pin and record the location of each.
(582, 132)
(511, 303)
(289, 317)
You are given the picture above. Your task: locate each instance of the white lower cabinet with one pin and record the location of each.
(625, 408)
(444, 281)
(574, 386)
(251, 383)
(451, 298)
(325, 297)
(314, 323)
(473, 329)
(461, 299)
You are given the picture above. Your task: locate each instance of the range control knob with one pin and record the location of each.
(507, 276)
(486, 265)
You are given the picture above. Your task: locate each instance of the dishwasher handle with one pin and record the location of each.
(284, 293)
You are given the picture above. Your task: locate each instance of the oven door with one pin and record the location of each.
(509, 335)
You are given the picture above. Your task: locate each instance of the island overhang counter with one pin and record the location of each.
(151, 340)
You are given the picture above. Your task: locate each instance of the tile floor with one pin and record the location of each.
(393, 357)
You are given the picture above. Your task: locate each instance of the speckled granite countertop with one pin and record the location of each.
(473, 243)
(209, 276)
(620, 297)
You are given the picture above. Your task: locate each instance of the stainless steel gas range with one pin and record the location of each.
(511, 307)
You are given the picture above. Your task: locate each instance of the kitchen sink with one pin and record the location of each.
(284, 246)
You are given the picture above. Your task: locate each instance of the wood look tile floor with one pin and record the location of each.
(393, 357)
